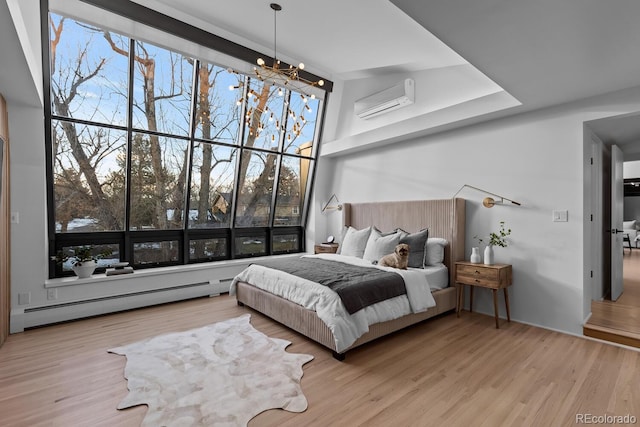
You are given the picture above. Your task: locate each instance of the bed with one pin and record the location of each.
(445, 219)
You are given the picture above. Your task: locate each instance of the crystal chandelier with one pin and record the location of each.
(288, 77)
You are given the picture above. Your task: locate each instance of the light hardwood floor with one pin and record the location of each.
(619, 321)
(445, 371)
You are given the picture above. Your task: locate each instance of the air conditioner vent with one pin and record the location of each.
(386, 100)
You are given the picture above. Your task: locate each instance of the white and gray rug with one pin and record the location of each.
(218, 375)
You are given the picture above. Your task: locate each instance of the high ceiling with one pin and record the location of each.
(335, 38)
(543, 52)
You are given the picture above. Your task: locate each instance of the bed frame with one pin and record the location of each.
(444, 218)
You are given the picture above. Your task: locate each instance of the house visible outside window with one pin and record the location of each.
(156, 160)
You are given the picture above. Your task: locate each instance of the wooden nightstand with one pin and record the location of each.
(325, 248)
(494, 277)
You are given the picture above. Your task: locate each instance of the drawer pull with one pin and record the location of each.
(477, 272)
(477, 281)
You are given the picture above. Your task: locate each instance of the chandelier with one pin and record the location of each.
(288, 77)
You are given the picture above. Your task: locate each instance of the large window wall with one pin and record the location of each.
(161, 158)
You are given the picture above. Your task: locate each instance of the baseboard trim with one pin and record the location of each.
(22, 319)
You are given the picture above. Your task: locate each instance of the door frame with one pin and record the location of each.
(5, 227)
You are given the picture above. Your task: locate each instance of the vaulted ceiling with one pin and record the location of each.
(543, 52)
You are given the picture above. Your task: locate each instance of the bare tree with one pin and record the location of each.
(64, 91)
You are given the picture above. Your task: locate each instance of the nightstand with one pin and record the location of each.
(494, 277)
(325, 248)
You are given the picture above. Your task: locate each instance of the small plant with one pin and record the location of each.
(496, 239)
(80, 254)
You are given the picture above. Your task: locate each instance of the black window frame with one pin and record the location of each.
(125, 239)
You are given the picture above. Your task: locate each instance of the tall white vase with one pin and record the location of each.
(475, 255)
(488, 255)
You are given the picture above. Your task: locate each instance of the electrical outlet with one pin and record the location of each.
(15, 217)
(24, 298)
(52, 294)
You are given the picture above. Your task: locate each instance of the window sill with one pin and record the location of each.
(159, 271)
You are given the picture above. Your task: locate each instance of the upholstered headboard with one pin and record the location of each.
(444, 218)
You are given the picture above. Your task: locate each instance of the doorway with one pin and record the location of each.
(616, 321)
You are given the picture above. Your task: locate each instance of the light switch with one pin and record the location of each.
(560, 216)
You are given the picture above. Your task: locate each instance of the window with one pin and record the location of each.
(153, 156)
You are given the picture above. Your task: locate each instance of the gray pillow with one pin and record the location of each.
(379, 245)
(417, 248)
(355, 241)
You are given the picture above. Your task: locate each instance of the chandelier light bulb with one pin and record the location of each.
(260, 62)
(301, 66)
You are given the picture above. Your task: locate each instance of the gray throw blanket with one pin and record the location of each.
(358, 287)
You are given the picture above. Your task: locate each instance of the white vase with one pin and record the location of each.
(488, 255)
(475, 255)
(84, 269)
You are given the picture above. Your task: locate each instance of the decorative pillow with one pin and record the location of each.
(629, 225)
(379, 245)
(355, 241)
(435, 250)
(417, 248)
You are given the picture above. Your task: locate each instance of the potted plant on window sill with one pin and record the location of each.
(83, 262)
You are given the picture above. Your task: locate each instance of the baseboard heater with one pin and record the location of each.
(44, 315)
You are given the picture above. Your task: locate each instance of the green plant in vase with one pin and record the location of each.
(83, 260)
(498, 238)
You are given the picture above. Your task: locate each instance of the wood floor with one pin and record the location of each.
(445, 371)
(619, 321)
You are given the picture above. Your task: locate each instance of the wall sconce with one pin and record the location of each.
(336, 207)
(487, 202)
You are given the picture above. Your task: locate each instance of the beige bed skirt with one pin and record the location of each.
(307, 322)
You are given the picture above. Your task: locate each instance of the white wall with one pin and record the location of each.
(28, 198)
(631, 169)
(26, 19)
(535, 158)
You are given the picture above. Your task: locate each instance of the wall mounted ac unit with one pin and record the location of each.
(386, 100)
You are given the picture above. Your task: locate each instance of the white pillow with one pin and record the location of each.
(629, 225)
(379, 245)
(435, 250)
(355, 242)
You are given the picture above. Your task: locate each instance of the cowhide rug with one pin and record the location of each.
(218, 375)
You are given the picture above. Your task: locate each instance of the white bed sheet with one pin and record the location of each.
(437, 276)
(346, 328)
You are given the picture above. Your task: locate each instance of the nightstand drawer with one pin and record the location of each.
(477, 275)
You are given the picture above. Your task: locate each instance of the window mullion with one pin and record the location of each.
(127, 244)
(189, 166)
